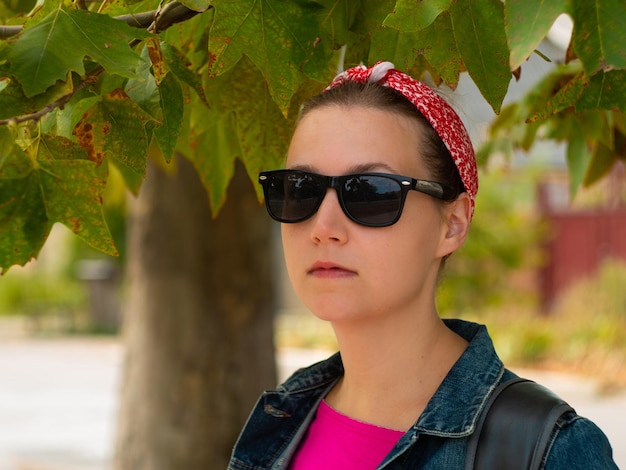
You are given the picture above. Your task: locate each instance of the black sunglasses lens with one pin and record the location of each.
(372, 200)
(293, 196)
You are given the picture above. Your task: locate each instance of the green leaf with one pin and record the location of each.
(24, 224)
(500, 145)
(597, 125)
(601, 163)
(510, 116)
(599, 34)
(436, 44)
(254, 131)
(279, 37)
(159, 67)
(171, 99)
(263, 136)
(196, 5)
(191, 39)
(527, 23)
(144, 90)
(567, 95)
(481, 40)
(57, 185)
(179, 66)
(115, 128)
(397, 47)
(578, 157)
(72, 192)
(14, 103)
(442, 52)
(13, 162)
(619, 122)
(335, 20)
(162, 99)
(214, 158)
(67, 118)
(409, 15)
(371, 15)
(605, 91)
(366, 26)
(39, 57)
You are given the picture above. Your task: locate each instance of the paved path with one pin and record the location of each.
(58, 402)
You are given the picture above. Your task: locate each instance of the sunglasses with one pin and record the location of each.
(370, 199)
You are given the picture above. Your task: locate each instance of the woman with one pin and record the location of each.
(364, 248)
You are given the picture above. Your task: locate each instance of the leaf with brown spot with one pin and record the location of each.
(115, 128)
(278, 37)
(72, 194)
(159, 67)
(84, 134)
(59, 185)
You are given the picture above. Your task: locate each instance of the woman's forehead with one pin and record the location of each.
(358, 138)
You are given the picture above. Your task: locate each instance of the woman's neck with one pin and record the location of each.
(392, 367)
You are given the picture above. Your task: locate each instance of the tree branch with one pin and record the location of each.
(7, 31)
(155, 21)
(172, 13)
(59, 103)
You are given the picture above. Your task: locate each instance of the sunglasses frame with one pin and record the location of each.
(405, 183)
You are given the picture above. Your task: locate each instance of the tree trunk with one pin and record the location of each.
(198, 323)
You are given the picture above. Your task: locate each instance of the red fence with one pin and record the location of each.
(577, 245)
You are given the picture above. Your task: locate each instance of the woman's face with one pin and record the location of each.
(345, 271)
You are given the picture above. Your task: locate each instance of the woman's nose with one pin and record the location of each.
(329, 222)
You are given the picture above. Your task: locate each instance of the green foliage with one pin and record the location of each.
(39, 293)
(503, 242)
(527, 22)
(585, 332)
(56, 183)
(604, 295)
(588, 113)
(485, 55)
(598, 34)
(278, 37)
(39, 56)
(85, 92)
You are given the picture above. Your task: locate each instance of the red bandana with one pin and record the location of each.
(437, 112)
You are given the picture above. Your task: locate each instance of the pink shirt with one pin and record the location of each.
(337, 442)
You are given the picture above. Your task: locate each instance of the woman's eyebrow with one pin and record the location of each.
(371, 166)
(307, 168)
(359, 168)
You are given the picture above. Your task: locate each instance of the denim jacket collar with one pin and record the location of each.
(281, 417)
(454, 408)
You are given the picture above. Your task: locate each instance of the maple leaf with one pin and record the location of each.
(39, 57)
(279, 37)
(58, 184)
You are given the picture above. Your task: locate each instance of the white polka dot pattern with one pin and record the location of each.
(435, 109)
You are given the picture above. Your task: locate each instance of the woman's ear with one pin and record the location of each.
(457, 216)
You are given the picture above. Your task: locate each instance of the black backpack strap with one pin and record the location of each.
(514, 429)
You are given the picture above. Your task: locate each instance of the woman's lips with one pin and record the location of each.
(328, 270)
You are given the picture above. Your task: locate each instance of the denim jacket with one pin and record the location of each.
(437, 440)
